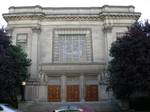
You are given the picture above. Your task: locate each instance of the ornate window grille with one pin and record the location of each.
(72, 46)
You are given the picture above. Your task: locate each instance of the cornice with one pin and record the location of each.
(116, 15)
(72, 64)
(13, 17)
(100, 17)
(72, 68)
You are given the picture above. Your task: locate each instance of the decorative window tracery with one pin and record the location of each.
(72, 46)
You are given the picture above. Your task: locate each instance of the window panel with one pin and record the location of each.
(21, 40)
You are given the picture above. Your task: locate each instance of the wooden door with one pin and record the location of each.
(91, 93)
(54, 93)
(73, 93)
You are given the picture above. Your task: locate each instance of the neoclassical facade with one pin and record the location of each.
(69, 48)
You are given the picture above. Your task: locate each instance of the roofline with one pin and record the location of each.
(93, 7)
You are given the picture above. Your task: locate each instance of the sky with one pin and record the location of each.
(142, 6)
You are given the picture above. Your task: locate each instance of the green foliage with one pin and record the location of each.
(129, 68)
(141, 103)
(22, 62)
(13, 69)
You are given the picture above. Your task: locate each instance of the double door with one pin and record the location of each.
(72, 93)
(54, 93)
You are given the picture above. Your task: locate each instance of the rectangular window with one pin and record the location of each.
(21, 40)
(71, 46)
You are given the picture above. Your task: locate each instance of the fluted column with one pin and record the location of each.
(34, 52)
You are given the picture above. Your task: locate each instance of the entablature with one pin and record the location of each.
(71, 13)
(72, 68)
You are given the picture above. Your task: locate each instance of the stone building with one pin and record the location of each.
(69, 48)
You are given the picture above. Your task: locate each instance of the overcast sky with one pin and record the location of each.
(142, 6)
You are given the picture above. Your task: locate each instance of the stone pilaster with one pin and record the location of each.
(43, 86)
(82, 89)
(102, 86)
(34, 51)
(108, 39)
(63, 88)
(99, 89)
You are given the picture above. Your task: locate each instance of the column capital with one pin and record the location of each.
(9, 30)
(36, 29)
(107, 28)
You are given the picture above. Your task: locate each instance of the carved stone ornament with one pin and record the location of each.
(42, 76)
(9, 30)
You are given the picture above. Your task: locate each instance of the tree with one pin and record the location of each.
(129, 69)
(13, 69)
